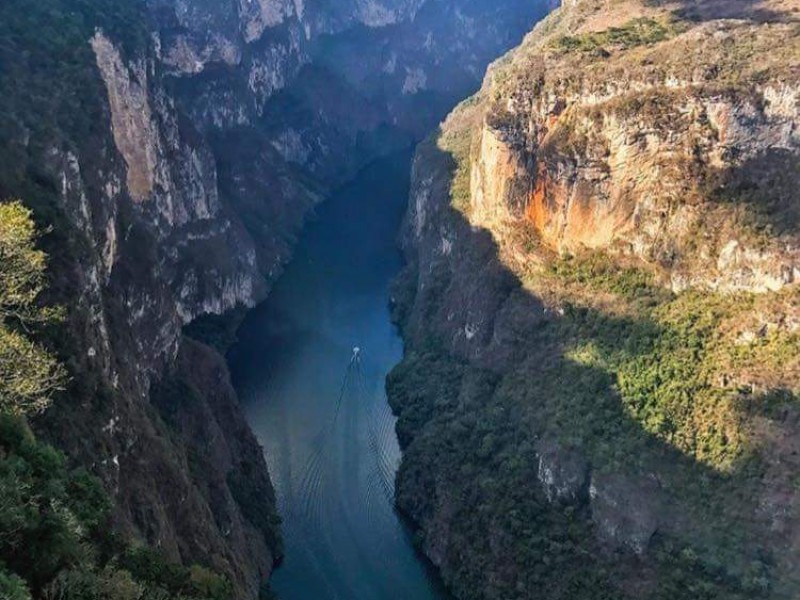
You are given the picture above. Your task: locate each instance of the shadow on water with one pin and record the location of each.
(321, 412)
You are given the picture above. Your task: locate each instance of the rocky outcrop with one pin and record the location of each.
(564, 474)
(650, 164)
(131, 118)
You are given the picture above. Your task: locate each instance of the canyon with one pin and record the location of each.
(597, 396)
(173, 150)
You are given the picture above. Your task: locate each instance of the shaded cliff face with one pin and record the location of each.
(175, 148)
(599, 394)
(141, 243)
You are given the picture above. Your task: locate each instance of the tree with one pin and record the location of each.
(29, 374)
(12, 587)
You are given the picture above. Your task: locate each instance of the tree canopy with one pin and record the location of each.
(29, 374)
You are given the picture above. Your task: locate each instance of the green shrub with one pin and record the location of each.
(54, 537)
(637, 32)
(599, 271)
(204, 583)
(12, 587)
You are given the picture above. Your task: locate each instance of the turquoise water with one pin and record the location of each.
(320, 414)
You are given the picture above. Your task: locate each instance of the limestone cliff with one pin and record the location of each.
(629, 129)
(599, 392)
(142, 245)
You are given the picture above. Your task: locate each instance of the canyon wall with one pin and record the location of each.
(172, 150)
(599, 393)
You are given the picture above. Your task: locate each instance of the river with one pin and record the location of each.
(320, 411)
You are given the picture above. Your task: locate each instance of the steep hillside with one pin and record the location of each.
(140, 244)
(172, 150)
(599, 395)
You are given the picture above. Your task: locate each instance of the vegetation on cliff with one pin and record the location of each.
(612, 388)
(471, 446)
(636, 32)
(54, 94)
(600, 392)
(55, 540)
(29, 374)
(55, 536)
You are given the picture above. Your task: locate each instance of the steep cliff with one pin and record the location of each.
(599, 394)
(141, 244)
(174, 148)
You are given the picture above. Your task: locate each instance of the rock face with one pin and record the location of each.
(175, 148)
(131, 117)
(624, 152)
(592, 240)
(158, 249)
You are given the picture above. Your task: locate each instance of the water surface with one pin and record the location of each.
(321, 414)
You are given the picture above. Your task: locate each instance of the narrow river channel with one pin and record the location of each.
(320, 411)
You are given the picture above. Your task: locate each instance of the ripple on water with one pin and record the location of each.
(326, 427)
